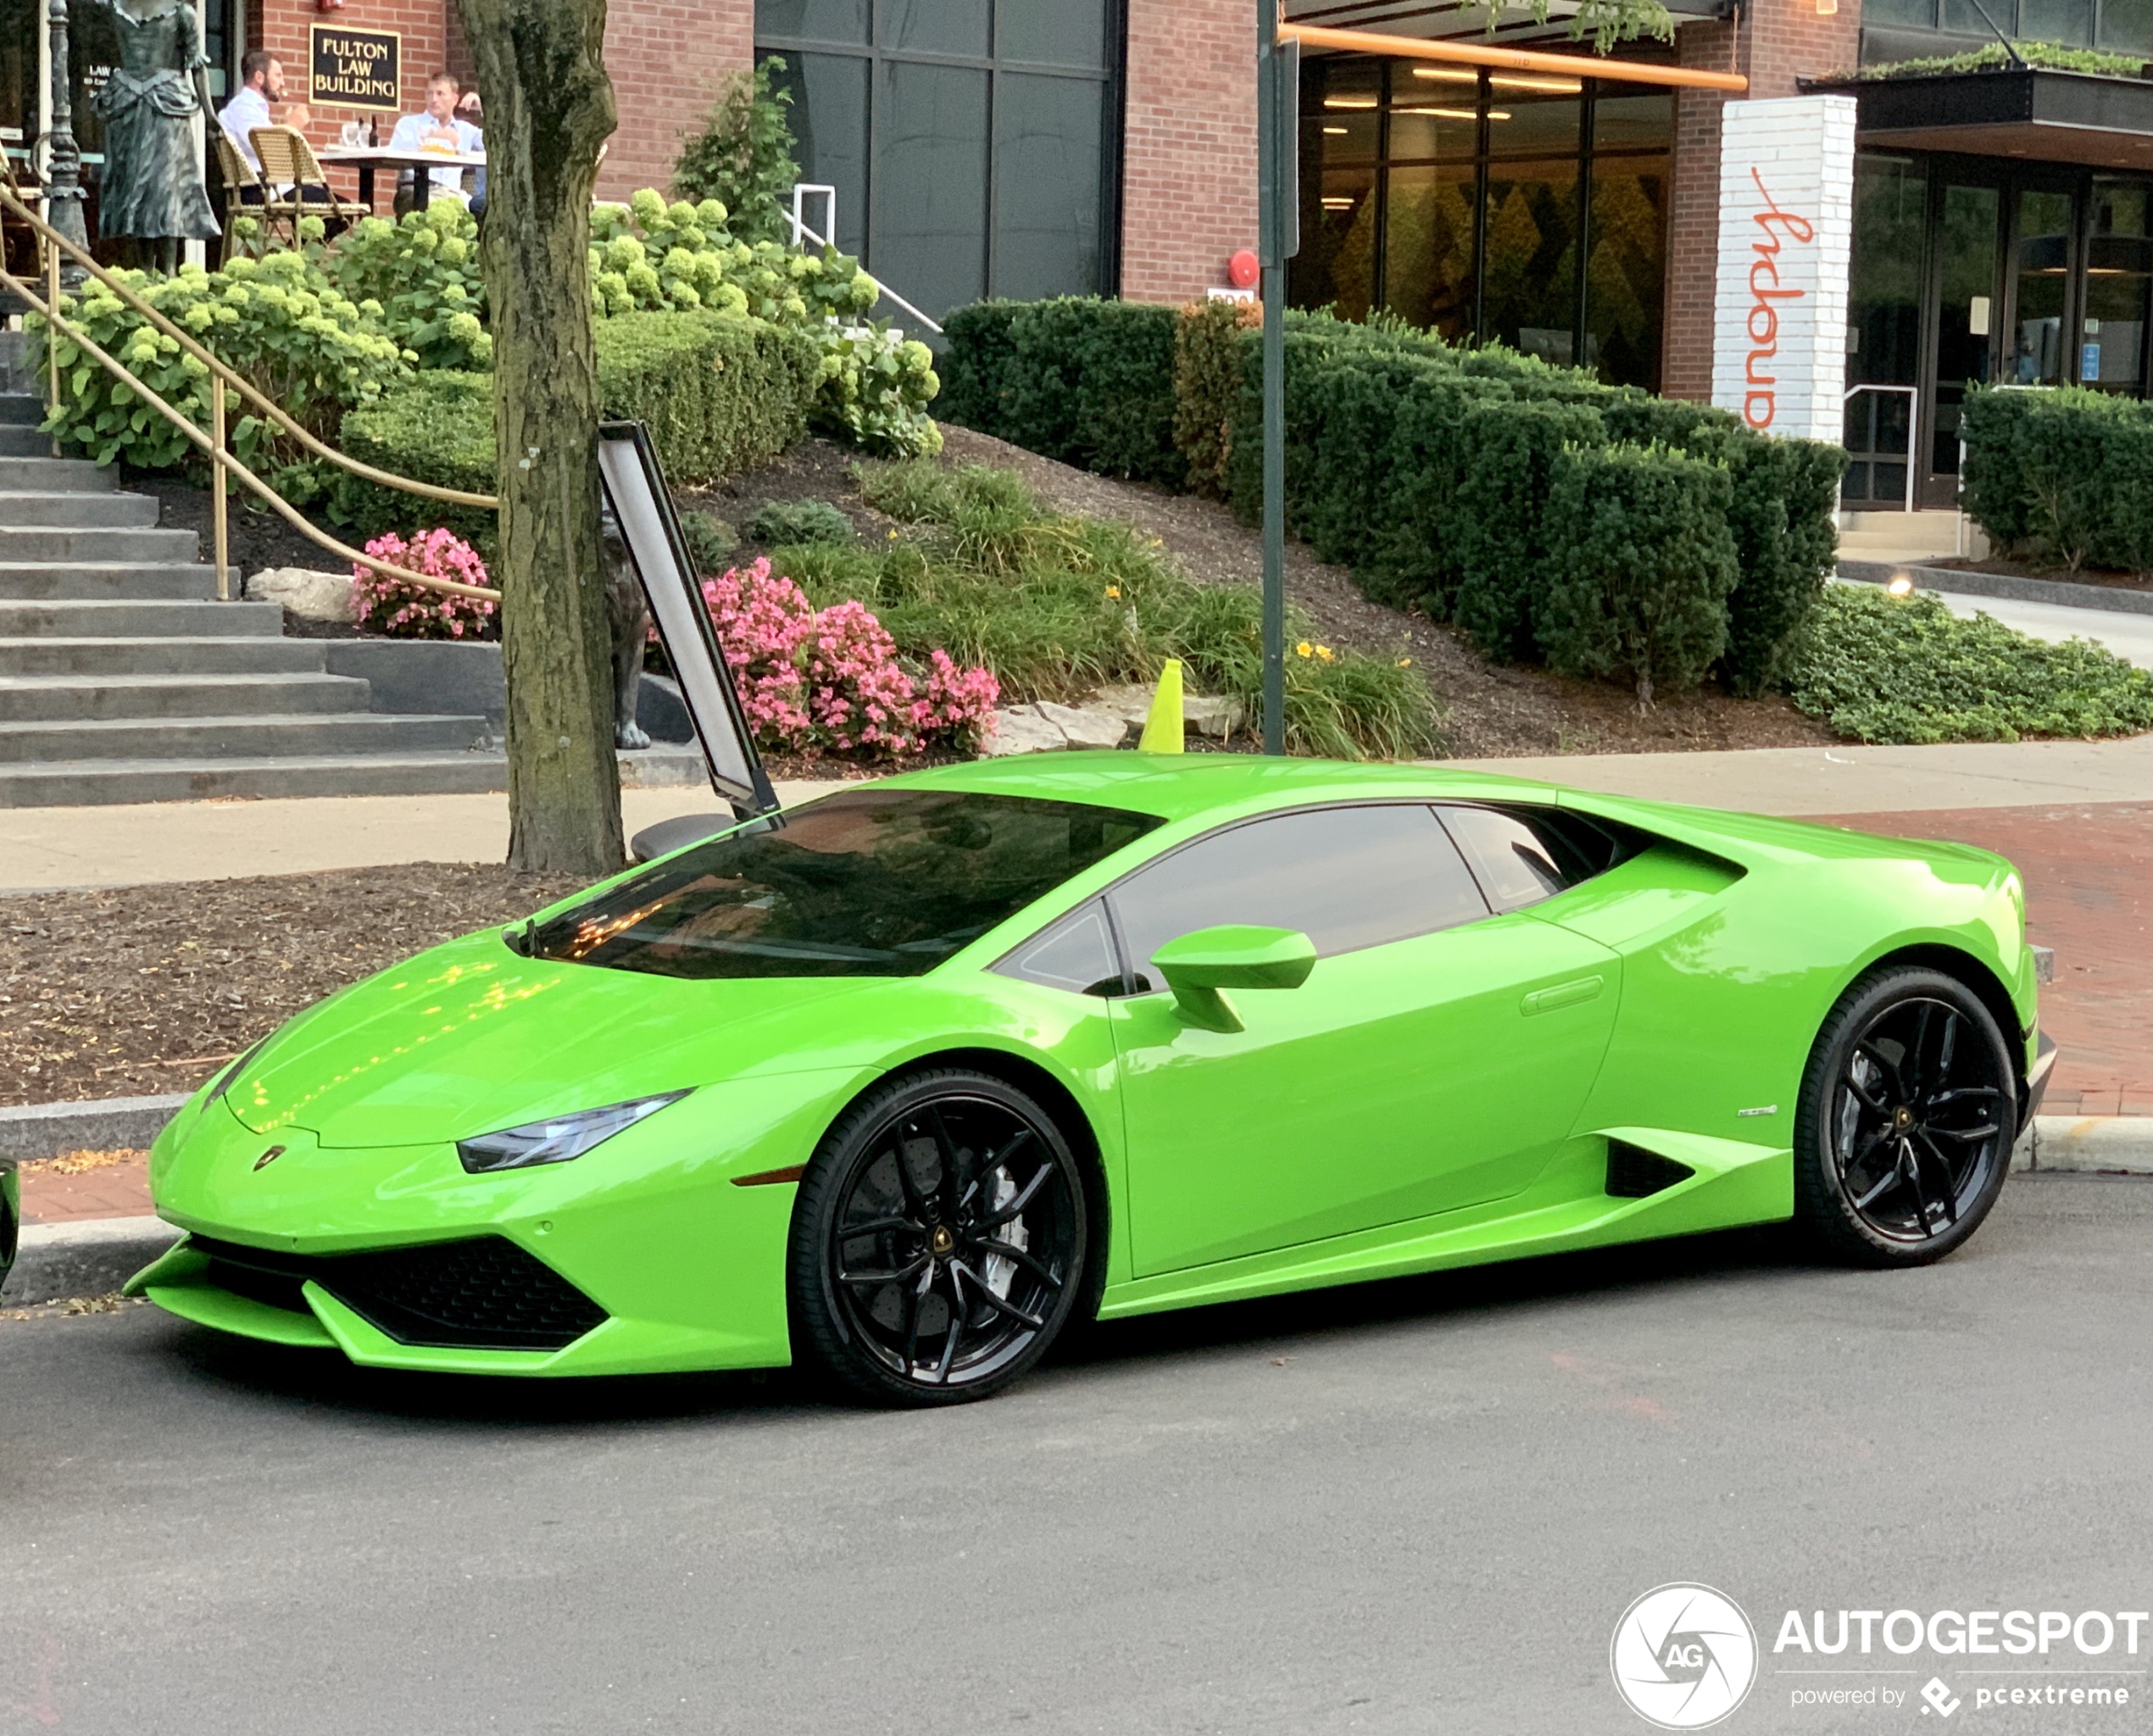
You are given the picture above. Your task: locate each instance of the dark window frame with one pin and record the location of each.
(1112, 79)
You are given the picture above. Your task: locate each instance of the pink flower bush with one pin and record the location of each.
(404, 610)
(831, 678)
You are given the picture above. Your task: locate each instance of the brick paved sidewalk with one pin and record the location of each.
(86, 1184)
(2088, 873)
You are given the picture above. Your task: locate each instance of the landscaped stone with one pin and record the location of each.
(1082, 727)
(1020, 729)
(311, 595)
(1207, 713)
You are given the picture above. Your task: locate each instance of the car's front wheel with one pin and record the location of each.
(940, 1240)
(1908, 1110)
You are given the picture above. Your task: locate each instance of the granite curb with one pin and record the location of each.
(29, 1132)
(2064, 593)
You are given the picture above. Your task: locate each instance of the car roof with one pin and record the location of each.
(1187, 785)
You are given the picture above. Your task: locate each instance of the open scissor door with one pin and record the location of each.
(635, 488)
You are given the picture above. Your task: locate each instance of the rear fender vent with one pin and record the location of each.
(1634, 1173)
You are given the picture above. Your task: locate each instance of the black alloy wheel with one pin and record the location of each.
(1908, 1113)
(941, 1240)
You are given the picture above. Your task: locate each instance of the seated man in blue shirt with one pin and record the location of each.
(441, 126)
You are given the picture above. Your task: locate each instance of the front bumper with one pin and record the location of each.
(2037, 1077)
(642, 1256)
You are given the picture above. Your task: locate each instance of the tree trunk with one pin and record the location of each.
(548, 108)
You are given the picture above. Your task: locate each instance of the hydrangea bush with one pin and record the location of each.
(422, 272)
(403, 611)
(831, 679)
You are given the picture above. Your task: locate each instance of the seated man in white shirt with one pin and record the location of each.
(249, 109)
(440, 126)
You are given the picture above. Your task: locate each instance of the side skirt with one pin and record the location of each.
(1567, 1209)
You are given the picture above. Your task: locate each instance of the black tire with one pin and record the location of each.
(1908, 1109)
(941, 1241)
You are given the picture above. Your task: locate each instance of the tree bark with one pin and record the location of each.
(548, 108)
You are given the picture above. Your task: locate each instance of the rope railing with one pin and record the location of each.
(221, 377)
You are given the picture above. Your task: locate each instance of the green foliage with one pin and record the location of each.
(1885, 669)
(1058, 605)
(710, 540)
(2063, 475)
(1207, 384)
(1641, 565)
(742, 158)
(785, 522)
(876, 386)
(1088, 381)
(421, 271)
(311, 350)
(1990, 56)
(719, 394)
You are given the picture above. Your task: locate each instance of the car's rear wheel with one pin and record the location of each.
(1908, 1110)
(940, 1241)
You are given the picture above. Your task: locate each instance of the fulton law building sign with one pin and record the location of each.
(1786, 232)
(356, 68)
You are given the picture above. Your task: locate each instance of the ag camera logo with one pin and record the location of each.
(1684, 1657)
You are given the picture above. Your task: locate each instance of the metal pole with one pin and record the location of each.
(218, 505)
(64, 160)
(1277, 196)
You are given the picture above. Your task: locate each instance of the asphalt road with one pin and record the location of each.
(1414, 1507)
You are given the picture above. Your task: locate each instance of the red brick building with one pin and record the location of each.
(2002, 227)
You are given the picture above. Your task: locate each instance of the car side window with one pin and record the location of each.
(1075, 954)
(1347, 877)
(1523, 856)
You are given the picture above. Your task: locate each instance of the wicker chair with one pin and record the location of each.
(19, 248)
(238, 179)
(287, 163)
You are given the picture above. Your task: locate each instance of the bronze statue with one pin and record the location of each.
(628, 616)
(152, 192)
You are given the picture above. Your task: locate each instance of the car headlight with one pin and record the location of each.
(557, 1140)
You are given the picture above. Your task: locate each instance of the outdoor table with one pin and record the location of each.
(366, 158)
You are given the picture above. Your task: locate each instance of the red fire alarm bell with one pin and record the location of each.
(1241, 270)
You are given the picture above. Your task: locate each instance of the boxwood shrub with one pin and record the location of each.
(2064, 475)
(719, 393)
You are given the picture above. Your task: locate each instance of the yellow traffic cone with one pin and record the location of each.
(1162, 731)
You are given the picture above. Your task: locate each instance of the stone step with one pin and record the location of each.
(213, 738)
(104, 581)
(73, 698)
(22, 440)
(76, 475)
(135, 618)
(18, 408)
(103, 658)
(50, 542)
(20, 506)
(89, 783)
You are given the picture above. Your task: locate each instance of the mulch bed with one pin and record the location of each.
(136, 991)
(2033, 570)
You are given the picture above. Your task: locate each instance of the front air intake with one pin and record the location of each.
(1633, 1173)
(486, 1294)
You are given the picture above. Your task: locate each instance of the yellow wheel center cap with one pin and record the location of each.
(1903, 1118)
(941, 1241)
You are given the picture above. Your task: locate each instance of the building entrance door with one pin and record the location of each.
(1963, 323)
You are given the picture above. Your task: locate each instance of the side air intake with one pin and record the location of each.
(1633, 1173)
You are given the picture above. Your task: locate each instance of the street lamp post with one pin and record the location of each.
(1278, 83)
(63, 160)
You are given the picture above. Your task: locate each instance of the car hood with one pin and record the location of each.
(470, 1037)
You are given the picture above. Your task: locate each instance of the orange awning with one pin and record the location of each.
(1511, 60)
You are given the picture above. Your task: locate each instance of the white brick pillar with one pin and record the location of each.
(1786, 230)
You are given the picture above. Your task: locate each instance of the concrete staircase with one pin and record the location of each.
(1908, 536)
(122, 679)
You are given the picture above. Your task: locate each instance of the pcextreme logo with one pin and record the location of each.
(1684, 1657)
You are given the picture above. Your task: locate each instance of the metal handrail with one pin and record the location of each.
(214, 444)
(1913, 419)
(274, 412)
(800, 228)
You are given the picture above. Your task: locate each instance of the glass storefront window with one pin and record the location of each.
(2119, 286)
(2126, 27)
(971, 142)
(2042, 267)
(1968, 241)
(1457, 200)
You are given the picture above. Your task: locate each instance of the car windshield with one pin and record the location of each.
(864, 883)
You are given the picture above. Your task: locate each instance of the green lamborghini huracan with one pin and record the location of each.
(903, 1081)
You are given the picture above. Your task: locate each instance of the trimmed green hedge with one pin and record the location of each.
(2063, 475)
(719, 393)
(1088, 381)
(1429, 470)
